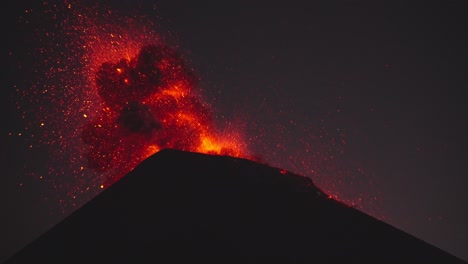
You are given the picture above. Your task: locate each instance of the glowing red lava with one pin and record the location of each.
(148, 104)
(110, 92)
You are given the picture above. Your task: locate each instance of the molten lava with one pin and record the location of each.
(108, 92)
(148, 104)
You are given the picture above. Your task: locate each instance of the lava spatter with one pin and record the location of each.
(148, 104)
(108, 91)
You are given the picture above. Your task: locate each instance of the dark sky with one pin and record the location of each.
(388, 75)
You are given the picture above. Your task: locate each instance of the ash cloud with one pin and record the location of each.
(146, 101)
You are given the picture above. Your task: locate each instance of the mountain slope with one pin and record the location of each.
(181, 204)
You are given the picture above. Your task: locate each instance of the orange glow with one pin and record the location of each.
(142, 113)
(175, 92)
(224, 146)
(152, 149)
(208, 145)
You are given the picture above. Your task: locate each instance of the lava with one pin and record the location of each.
(109, 91)
(148, 104)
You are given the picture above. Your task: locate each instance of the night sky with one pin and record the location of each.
(365, 98)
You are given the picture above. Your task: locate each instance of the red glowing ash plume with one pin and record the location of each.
(109, 91)
(148, 104)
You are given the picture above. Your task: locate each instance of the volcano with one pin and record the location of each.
(178, 204)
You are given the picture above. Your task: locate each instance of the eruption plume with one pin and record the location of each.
(109, 90)
(148, 105)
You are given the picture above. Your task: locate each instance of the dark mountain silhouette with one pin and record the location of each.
(180, 204)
